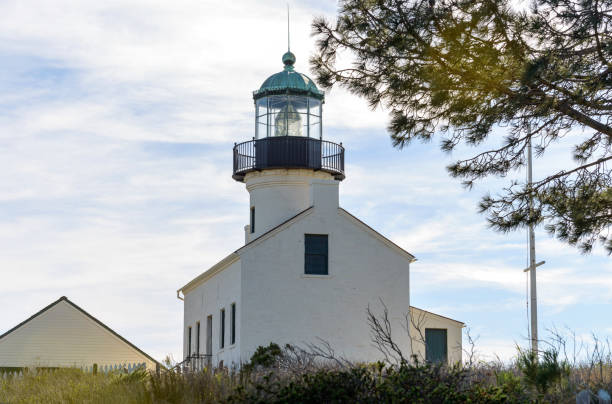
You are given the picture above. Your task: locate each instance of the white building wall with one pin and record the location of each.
(280, 304)
(208, 298)
(280, 194)
(63, 336)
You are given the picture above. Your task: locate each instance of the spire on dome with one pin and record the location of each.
(289, 57)
(288, 32)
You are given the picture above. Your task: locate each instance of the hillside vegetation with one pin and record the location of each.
(290, 375)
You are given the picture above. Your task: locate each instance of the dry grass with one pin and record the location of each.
(67, 386)
(581, 367)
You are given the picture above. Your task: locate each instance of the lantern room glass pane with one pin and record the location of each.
(315, 107)
(315, 130)
(261, 118)
(288, 115)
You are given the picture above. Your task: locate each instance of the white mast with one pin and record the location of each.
(532, 260)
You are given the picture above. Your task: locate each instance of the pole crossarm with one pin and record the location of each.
(535, 266)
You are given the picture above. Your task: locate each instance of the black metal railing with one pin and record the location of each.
(288, 152)
(194, 363)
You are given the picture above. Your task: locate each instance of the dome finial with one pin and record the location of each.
(288, 60)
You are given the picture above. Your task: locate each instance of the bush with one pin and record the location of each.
(376, 384)
(542, 373)
(264, 356)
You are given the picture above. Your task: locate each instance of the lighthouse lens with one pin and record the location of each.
(287, 115)
(288, 122)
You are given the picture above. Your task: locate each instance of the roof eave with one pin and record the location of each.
(209, 273)
(384, 239)
(257, 94)
(439, 315)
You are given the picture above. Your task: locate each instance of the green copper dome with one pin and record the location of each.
(288, 82)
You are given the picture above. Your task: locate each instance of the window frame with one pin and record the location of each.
(197, 338)
(209, 334)
(222, 328)
(188, 341)
(308, 254)
(429, 330)
(233, 323)
(252, 227)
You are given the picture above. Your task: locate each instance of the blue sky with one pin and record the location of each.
(117, 121)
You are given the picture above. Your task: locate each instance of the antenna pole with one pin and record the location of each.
(288, 38)
(532, 261)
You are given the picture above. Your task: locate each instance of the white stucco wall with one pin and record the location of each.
(63, 336)
(208, 298)
(280, 194)
(422, 320)
(280, 304)
(276, 301)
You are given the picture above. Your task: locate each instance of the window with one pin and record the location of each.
(436, 346)
(222, 333)
(252, 219)
(198, 338)
(315, 259)
(189, 341)
(209, 325)
(233, 324)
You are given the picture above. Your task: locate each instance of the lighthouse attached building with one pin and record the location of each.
(309, 269)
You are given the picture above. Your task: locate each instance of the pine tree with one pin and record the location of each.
(459, 69)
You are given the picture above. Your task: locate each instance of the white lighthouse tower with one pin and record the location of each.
(308, 269)
(287, 166)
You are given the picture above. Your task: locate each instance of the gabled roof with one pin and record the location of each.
(438, 315)
(276, 229)
(376, 234)
(233, 257)
(65, 299)
(209, 273)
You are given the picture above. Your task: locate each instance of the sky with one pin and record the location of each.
(117, 121)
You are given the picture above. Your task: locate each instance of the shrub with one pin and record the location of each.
(540, 374)
(264, 356)
(375, 384)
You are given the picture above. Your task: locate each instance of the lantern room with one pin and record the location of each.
(288, 103)
(288, 127)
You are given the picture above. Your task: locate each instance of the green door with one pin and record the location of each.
(436, 349)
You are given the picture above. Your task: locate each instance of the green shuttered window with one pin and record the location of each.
(315, 259)
(436, 346)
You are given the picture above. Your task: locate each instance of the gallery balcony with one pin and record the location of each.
(288, 152)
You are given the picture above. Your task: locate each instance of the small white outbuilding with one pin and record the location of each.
(435, 337)
(64, 335)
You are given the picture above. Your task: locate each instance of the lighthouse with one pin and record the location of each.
(308, 269)
(287, 164)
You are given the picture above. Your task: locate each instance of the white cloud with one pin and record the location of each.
(116, 124)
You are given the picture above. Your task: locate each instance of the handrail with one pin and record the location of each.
(288, 152)
(193, 363)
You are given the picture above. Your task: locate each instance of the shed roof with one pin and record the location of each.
(438, 315)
